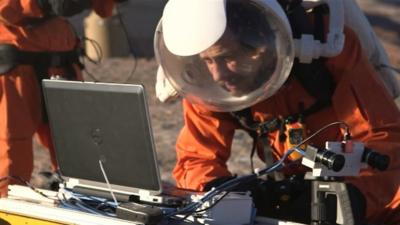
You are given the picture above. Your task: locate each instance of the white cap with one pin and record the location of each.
(190, 27)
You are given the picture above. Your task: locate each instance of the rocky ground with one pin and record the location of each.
(384, 15)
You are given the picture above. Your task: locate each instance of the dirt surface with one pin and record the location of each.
(384, 15)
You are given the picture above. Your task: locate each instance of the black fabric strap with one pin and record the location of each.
(42, 61)
(257, 131)
(63, 7)
(41, 73)
(314, 77)
(64, 60)
(255, 128)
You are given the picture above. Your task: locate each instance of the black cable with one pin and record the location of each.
(99, 53)
(214, 204)
(131, 49)
(229, 185)
(87, 203)
(96, 46)
(203, 210)
(346, 132)
(346, 135)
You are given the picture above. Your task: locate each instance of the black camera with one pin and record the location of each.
(375, 160)
(330, 159)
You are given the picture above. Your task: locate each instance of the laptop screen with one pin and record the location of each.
(92, 122)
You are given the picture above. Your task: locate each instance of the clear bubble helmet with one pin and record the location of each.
(225, 55)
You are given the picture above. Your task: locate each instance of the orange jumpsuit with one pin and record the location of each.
(20, 96)
(360, 99)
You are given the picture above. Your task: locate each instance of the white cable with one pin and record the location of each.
(108, 183)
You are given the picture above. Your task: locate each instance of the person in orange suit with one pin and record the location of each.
(234, 60)
(36, 42)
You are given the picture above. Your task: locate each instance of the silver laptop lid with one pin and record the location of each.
(107, 122)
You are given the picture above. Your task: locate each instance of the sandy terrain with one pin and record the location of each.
(166, 119)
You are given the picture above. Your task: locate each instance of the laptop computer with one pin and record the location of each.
(102, 131)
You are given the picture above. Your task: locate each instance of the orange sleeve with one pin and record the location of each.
(361, 100)
(103, 8)
(203, 147)
(15, 12)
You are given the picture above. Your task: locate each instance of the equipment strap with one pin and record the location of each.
(48, 60)
(10, 57)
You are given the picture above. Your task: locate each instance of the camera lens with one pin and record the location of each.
(331, 160)
(375, 160)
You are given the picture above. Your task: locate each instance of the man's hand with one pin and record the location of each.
(63, 7)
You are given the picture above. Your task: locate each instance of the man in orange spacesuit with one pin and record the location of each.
(36, 42)
(235, 56)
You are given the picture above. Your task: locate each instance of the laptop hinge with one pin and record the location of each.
(144, 193)
(146, 196)
(71, 183)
